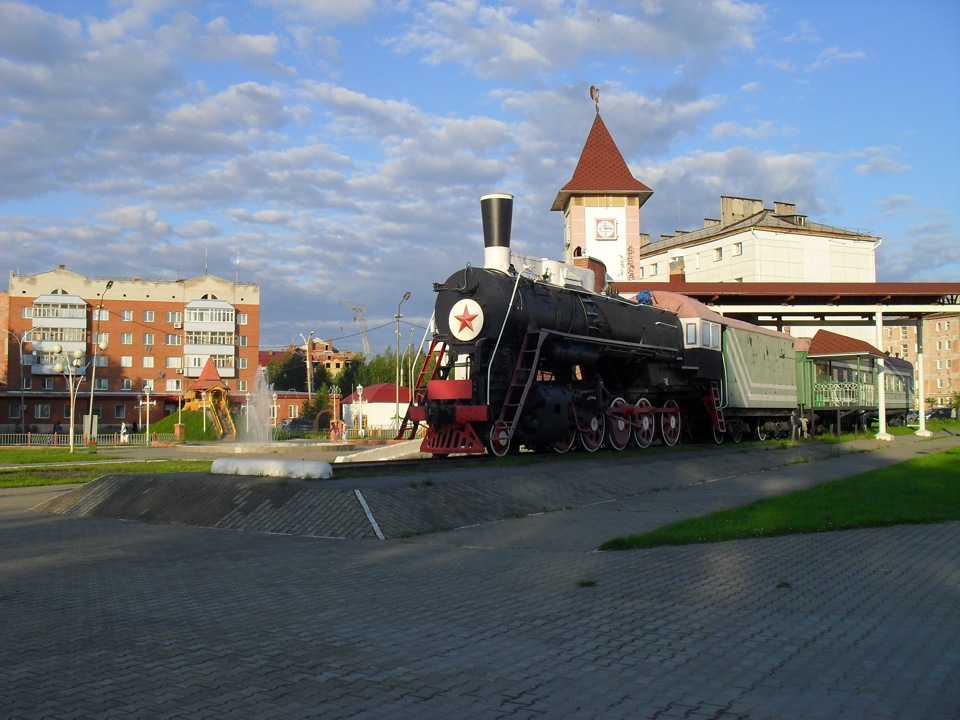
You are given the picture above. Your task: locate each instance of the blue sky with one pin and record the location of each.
(332, 150)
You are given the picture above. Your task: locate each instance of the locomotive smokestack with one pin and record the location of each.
(496, 210)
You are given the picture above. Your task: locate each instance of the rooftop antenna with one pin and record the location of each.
(206, 247)
(595, 96)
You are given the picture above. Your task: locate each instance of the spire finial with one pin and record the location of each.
(595, 96)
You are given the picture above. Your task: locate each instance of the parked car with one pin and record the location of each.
(939, 413)
(913, 416)
(292, 424)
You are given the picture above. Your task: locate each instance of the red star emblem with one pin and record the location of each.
(466, 319)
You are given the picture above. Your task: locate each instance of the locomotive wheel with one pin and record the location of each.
(646, 428)
(566, 442)
(618, 429)
(761, 433)
(670, 422)
(717, 435)
(499, 439)
(592, 437)
(736, 432)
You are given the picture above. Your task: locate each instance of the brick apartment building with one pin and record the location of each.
(123, 335)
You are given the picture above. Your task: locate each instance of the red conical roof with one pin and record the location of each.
(601, 170)
(209, 377)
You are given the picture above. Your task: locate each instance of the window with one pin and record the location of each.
(101, 314)
(242, 340)
(97, 338)
(41, 411)
(691, 333)
(174, 316)
(126, 384)
(938, 327)
(15, 412)
(48, 383)
(242, 386)
(27, 383)
(26, 312)
(653, 269)
(119, 411)
(103, 361)
(172, 385)
(101, 384)
(903, 350)
(241, 318)
(242, 363)
(738, 248)
(939, 383)
(148, 338)
(718, 254)
(711, 335)
(126, 315)
(126, 338)
(641, 274)
(148, 384)
(148, 316)
(173, 340)
(148, 361)
(126, 361)
(903, 333)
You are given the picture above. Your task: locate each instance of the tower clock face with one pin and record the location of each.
(606, 229)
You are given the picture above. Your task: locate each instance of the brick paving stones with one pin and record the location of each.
(509, 618)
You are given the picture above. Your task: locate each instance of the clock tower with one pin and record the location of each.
(601, 206)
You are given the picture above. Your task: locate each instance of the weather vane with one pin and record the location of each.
(595, 96)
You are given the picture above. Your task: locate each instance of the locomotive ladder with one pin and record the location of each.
(714, 407)
(409, 426)
(523, 376)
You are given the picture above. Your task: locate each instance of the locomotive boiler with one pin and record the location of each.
(532, 352)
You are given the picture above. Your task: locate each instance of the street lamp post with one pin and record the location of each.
(203, 410)
(308, 345)
(70, 369)
(102, 345)
(396, 414)
(147, 404)
(359, 418)
(276, 415)
(23, 405)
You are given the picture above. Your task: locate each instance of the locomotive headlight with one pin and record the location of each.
(466, 320)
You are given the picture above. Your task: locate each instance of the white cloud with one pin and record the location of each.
(833, 55)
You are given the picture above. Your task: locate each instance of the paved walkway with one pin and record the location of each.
(105, 618)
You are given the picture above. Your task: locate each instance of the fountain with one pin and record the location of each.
(258, 426)
(256, 434)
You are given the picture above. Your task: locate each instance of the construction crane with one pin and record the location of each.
(359, 315)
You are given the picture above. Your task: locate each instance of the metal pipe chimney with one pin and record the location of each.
(496, 211)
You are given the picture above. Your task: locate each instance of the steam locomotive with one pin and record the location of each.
(537, 353)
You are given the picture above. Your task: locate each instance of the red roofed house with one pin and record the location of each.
(845, 370)
(374, 408)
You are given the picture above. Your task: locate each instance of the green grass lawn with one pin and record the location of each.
(80, 467)
(923, 490)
